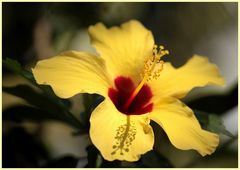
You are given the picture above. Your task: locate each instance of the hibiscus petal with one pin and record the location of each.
(123, 48)
(177, 82)
(73, 72)
(118, 136)
(182, 127)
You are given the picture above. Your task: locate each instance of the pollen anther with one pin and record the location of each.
(153, 65)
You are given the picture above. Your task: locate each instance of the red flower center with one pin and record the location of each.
(124, 89)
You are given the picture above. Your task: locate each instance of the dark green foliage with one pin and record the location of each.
(43, 99)
(212, 122)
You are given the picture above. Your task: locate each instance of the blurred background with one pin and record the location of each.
(35, 31)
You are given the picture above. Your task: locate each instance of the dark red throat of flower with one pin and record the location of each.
(140, 104)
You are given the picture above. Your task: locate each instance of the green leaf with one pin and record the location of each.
(90, 101)
(43, 102)
(15, 67)
(93, 155)
(12, 65)
(46, 100)
(99, 161)
(215, 124)
(151, 159)
(154, 159)
(95, 159)
(20, 113)
(32, 97)
(212, 122)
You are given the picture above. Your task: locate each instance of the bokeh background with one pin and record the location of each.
(35, 31)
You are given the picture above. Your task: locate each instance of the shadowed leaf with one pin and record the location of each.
(212, 122)
(46, 100)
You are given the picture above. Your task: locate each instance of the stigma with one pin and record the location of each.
(153, 65)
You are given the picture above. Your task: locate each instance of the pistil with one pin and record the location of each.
(134, 94)
(152, 68)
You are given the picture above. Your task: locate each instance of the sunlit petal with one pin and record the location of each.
(73, 72)
(118, 136)
(177, 82)
(123, 48)
(182, 127)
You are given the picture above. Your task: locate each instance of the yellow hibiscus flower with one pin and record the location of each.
(138, 87)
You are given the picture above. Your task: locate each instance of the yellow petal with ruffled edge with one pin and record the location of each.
(73, 72)
(123, 48)
(118, 136)
(177, 82)
(182, 127)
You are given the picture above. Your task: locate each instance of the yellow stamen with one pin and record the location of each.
(152, 68)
